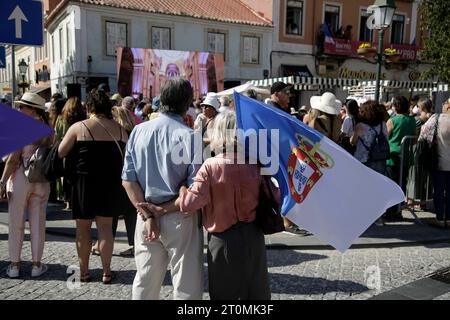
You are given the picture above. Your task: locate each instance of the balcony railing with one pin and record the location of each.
(342, 47)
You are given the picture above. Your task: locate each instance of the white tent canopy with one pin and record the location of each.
(243, 88)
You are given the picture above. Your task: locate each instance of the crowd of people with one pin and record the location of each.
(117, 153)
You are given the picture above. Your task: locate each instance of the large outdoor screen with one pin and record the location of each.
(145, 70)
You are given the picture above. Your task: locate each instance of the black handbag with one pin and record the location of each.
(427, 152)
(268, 217)
(53, 166)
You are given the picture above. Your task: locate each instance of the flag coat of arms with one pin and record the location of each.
(323, 188)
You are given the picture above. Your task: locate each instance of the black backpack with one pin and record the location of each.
(379, 148)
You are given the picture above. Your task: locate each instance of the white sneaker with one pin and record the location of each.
(38, 271)
(12, 271)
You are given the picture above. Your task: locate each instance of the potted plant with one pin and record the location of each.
(392, 55)
(366, 49)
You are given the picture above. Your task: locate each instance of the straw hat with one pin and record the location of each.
(33, 100)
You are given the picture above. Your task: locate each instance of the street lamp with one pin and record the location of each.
(23, 67)
(383, 14)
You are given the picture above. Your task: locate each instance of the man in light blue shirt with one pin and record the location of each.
(159, 160)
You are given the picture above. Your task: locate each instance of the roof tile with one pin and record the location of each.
(220, 10)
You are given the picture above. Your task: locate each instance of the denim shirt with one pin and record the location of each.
(150, 153)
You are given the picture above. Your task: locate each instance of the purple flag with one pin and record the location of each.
(18, 130)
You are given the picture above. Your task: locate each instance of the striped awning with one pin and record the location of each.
(315, 83)
(441, 87)
(271, 81)
(395, 84)
(331, 82)
(308, 83)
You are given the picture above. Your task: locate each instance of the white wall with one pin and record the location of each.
(63, 59)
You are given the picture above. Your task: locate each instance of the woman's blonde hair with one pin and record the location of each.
(224, 132)
(123, 117)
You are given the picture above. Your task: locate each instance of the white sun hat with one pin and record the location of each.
(326, 103)
(211, 100)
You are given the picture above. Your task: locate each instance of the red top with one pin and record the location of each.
(228, 192)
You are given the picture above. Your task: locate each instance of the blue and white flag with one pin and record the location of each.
(328, 36)
(323, 188)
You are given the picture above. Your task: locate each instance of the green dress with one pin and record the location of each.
(61, 127)
(403, 125)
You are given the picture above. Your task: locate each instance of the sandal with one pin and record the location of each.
(85, 277)
(127, 253)
(107, 278)
(95, 251)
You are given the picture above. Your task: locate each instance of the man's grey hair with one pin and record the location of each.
(128, 102)
(176, 96)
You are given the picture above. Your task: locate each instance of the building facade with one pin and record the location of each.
(300, 49)
(84, 36)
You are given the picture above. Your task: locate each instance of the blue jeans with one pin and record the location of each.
(441, 197)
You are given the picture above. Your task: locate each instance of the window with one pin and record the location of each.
(161, 38)
(61, 44)
(397, 29)
(53, 49)
(365, 34)
(216, 42)
(68, 39)
(46, 45)
(116, 36)
(332, 17)
(250, 50)
(294, 18)
(37, 52)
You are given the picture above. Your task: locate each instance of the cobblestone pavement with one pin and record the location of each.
(294, 275)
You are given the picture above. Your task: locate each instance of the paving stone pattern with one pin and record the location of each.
(294, 275)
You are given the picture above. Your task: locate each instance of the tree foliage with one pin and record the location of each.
(436, 49)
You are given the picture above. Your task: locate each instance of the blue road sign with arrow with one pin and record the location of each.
(21, 22)
(2, 57)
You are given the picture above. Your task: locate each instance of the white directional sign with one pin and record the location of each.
(21, 22)
(17, 15)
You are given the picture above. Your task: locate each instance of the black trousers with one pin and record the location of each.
(394, 174)
(130, 224)
(237, 264)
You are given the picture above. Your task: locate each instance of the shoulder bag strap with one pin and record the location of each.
(206, 127)
(26, 164)
(118, 146)
(84, 131)
(436, 126)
